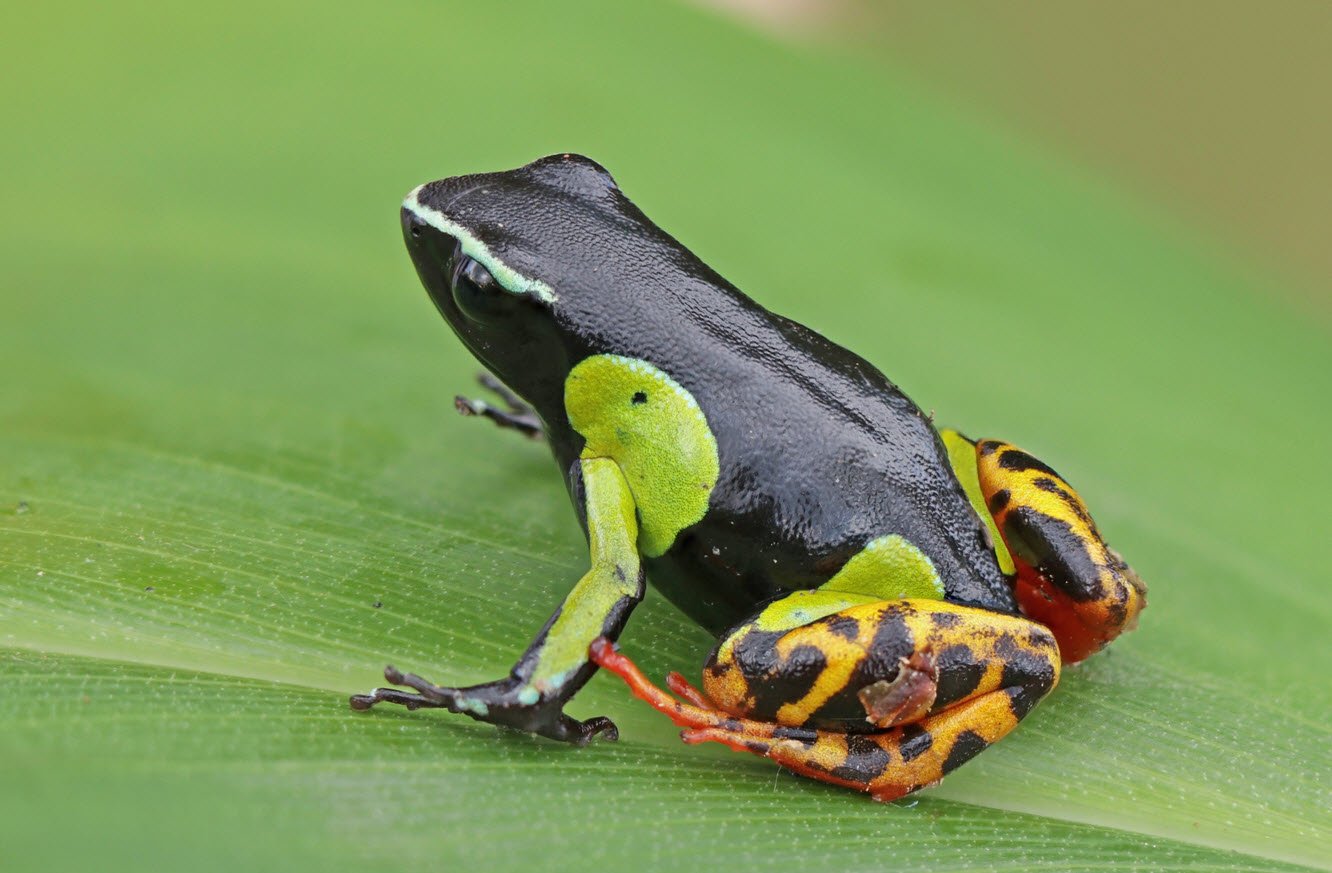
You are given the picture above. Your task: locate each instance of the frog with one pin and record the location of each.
(888, 598)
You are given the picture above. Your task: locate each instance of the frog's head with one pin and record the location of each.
(539, 267)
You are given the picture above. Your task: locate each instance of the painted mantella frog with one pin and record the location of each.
(889, 599)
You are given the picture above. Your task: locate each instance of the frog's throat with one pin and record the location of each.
(474, 248)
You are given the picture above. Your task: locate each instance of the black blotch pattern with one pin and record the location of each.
(968, 745)
(1059, 552)
(1021, 701)
(891, 642)
(843, 626)
(998, 500)
(806, 738)
(959, 673)
(1062, 491)
(865, 759)
(639, 397)
(1027, 676)
(947, 620)
(774, 681)
(915, 742)
(1117, 608)
(1016, 459)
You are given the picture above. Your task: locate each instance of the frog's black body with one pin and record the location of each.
(819, 452)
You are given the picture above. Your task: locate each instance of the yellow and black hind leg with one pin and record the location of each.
(1067, 577)
(881, 696)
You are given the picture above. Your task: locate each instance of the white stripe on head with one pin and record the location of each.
(478, 251)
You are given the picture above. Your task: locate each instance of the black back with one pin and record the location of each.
(819, 452)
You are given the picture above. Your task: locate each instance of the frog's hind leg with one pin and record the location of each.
(881, 696)
(1068, 578)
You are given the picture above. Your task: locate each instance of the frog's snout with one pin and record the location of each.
(413, 225)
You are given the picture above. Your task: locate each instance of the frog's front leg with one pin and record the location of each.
(516, 415)
(1068, 578)
(555, 665)
(880, 696)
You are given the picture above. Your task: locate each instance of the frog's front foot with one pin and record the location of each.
(516, 414)
(505, 703)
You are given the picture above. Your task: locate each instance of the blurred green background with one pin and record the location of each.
(1211, 111)
(232, 484)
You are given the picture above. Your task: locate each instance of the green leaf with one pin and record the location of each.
(232, 485)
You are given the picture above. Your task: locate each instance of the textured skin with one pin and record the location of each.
(1067, 576)
(808, 457)
(980, 672)
(819, 452)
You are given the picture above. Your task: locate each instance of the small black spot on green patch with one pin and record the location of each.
(915, 742)
(639, 398)
(968, 745)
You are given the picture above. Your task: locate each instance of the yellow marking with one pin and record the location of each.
(635, 414)
(612, 532)
(840, 658)
(888, 568)
(1023, 491)
(802, 607)
(986, 712)
(962, 455)
(1117, 580)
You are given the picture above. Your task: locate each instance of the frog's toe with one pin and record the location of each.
(362, 702)
(580, 733)
(427, 696)
(681, 687)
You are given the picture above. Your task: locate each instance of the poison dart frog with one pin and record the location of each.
(888, 599)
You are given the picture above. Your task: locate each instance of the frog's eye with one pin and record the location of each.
(477, 293)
